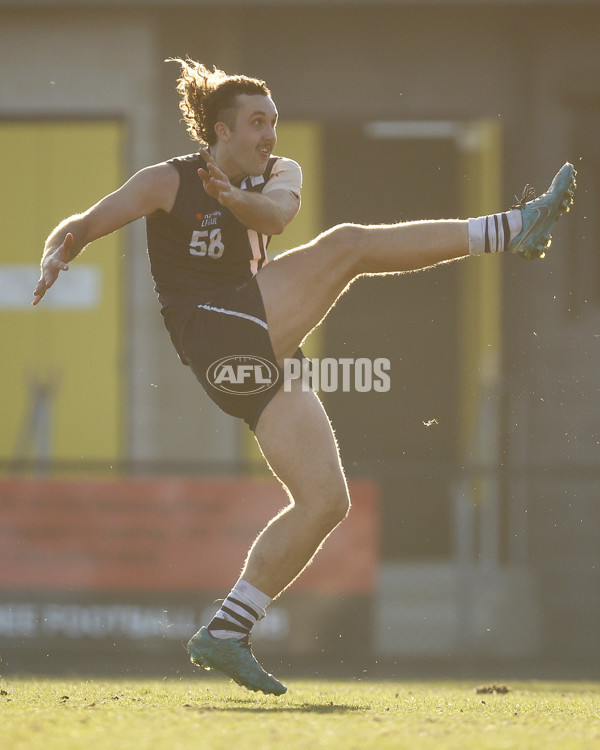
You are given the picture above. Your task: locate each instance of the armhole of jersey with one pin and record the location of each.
(268, 174)
(179, 168)
(268, 171)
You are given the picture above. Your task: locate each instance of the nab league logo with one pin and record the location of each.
(242, 375)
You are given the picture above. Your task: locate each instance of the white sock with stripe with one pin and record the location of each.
(491, 234)
(242, 609)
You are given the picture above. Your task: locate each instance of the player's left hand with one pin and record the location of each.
(215, 181)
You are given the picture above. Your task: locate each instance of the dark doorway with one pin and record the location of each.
(407, 437)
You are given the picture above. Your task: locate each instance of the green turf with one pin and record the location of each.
(209, 714)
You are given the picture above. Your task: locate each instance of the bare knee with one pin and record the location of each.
(349, 237)
(333, 507)
(340, 507)
(348, 241)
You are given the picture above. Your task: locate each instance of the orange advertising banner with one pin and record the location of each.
(166, 534)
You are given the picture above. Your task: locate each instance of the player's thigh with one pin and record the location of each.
(296, 438)
(298, 289)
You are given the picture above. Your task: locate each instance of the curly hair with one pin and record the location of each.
(208, 97)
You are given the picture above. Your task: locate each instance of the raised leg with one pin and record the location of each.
(300, 286)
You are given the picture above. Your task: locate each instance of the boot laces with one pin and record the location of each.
(527, 196)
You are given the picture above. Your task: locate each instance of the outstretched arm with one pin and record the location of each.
(147, 191)
(267, 214)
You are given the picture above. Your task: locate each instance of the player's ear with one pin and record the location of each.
(222, 130)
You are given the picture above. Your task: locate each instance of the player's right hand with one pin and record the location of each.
(53, 263)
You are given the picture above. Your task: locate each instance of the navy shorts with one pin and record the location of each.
(226, 343)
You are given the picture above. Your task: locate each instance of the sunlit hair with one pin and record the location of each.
(209, 96)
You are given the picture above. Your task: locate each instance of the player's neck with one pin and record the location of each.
(227, 165)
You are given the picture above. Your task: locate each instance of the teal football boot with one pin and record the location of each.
(540, 214)
(233, 657)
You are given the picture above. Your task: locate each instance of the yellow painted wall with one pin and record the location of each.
(301, 141)
(481, 290)
(52, 170)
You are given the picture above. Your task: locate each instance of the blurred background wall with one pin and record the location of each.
(485, 450)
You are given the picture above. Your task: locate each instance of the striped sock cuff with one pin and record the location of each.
(489, 234)
(240, 611)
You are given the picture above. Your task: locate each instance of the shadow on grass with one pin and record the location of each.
(248, 705)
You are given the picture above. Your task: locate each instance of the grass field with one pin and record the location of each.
(212, 714)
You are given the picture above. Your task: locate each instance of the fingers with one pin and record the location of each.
(44, 283)
(211, 166)
(52, 264)
(207, 178)
(212, 172)
(39, 291)
(216, 183)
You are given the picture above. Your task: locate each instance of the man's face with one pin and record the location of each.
(248, 144)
